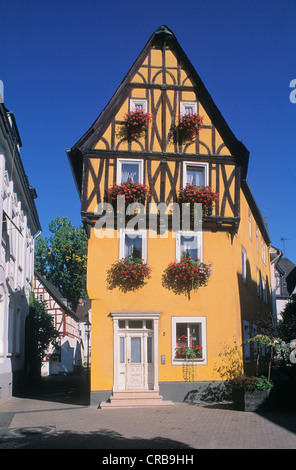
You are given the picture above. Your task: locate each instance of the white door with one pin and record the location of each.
(135, 360)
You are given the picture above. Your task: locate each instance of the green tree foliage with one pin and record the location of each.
(287, 325)
(62, 259)
(40, 333)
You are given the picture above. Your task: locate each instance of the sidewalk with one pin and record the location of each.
(27, 423)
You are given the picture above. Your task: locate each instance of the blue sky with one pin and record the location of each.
(61, 62)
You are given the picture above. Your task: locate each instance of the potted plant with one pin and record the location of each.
(203, 195)
(128, 274)
(134, 125)
(187, 129)
(186, 275)
(252, 393)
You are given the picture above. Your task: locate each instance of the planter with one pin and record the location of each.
(187, 129)
(186, 275)
(203, 195)
(255, 400)
(134, 126)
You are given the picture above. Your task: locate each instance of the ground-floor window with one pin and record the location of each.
(188, 339)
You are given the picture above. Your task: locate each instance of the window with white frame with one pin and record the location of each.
(189, 332)
(188, 107)
(138, 104)
(263, 252)
(129, 170)
(195, 173)
(189, 242)
(133, 244)
(257, 238)
(244, 265)
(250, 225)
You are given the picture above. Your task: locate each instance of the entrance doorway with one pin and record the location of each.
(135, 351)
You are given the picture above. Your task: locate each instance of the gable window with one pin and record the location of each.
(189, 332)
(190, 242)
(188, 107)
(133, 244)
(138, 105)
(194, 173)
(129, 170)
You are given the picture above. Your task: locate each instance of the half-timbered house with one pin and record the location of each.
(68, 355)
(139, 335)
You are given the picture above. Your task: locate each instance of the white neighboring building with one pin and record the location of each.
(19, 225)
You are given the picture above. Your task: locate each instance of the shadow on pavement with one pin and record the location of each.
(26, 438)
(70, 389)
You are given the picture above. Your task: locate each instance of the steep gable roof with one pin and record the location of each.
(162, 36)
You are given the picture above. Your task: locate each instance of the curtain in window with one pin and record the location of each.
(195, 176)
(189, 244)
(129, 172)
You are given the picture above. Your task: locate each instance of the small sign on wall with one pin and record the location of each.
(162, 359)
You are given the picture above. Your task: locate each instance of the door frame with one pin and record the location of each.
(154, 316)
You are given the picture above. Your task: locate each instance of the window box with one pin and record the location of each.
(129, 274)
(134, 125)
(186, 276)
(203, 195)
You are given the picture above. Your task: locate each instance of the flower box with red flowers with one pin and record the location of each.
(186, 275)
(128, 274)
(203, 195)
(134, 125)
(133, 192)
(189, 352)
(188, 127)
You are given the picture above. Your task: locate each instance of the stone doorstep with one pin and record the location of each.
(135, 399)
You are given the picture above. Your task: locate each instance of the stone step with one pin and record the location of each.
(135, 399)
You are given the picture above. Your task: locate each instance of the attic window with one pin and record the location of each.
(188, 107)
(138, 105)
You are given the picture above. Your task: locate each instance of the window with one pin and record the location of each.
(133, 244)
(189, 242)
(257, 239)
(138, 105)
(244, 265)
(188, 107)
(259, 283)
(194, 173)
(250, 225)
(263, 254)
(188, 332)
(129, 170)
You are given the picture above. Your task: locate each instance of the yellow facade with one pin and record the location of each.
(225, 309)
